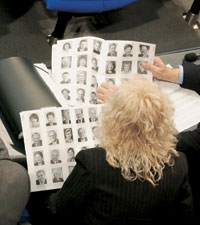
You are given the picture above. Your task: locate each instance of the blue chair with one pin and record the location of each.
(68, 8)
(88, 6)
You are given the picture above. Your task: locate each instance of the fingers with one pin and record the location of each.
(103, 92)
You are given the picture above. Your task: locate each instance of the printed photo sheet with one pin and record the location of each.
(53, 137)
(79, 65)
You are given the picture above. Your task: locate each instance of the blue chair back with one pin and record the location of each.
(88, 6)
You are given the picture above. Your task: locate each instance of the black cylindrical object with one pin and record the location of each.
(21, 89)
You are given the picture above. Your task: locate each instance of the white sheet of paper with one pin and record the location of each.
(186, 103)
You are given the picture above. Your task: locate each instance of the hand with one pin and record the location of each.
(103, 92)
(161, 72)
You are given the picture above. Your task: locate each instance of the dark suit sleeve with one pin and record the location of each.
(74, 193)
(191, 78)
(189, 143)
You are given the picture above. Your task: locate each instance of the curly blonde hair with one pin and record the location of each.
(137, 130)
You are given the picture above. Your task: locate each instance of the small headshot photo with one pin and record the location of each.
(81, 77)
(94, 83)
(50, 119)
(66, 119)
(55, 156)
(38, 158)
(80, 95)
(82, 61)
(34, 120)
(128, 50)
(67, 47)
(36, 139)
(97, 46)
(110, 81)
(70, 155)
(124, 80)
(68, 135)
(53, 140)
(95, 132)
(92, 112)
(66, 62)
(70, 168)
(110, 67)
(57, 175)
(93, 98)
(79, 116)
(83, 46)
(144, 51)
(65, 78)
(126, 67)
(41, 177)
(66, 94)
(94, 64)
(112, 49)
(82, 135)
(140, 69)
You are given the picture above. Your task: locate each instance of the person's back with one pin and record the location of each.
(114, 200)
(137, 177)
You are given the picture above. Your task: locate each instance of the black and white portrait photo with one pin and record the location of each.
(110, 67)
(95, 132)
(97, 46)
(110, 81)
(66, 118)
(140, 68)
(41, 177)
(82, 135)
(80, 95)
(144, 51)
(68, 135)
(82, 61)
(67, 47)
(38, 158)
(128, 50)
(36, 139)
(94, 83)
(66, 62)
(65, 78)
(66, 94)
(92, 115)
(126, 67)
(82, 45)
(50, 119)
(94, 63)
(112, 49)
(55, 156)
(70, 155)
(34, 120)
(57, 175)
(81, 77)
(53, 140)
(93, 98)
(79, 116)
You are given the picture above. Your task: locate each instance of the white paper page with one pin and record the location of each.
(186, 103)
(81, 64)
(46, 76)
(51, 142)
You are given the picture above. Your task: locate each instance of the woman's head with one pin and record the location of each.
(137, 130)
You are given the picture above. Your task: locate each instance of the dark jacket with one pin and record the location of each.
(189, 141)
(98, 191)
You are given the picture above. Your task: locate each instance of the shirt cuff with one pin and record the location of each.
(181, 72)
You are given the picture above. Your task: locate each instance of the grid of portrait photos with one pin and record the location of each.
(53, 136)
(79, 65)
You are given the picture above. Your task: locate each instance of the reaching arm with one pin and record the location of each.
(161, 72)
